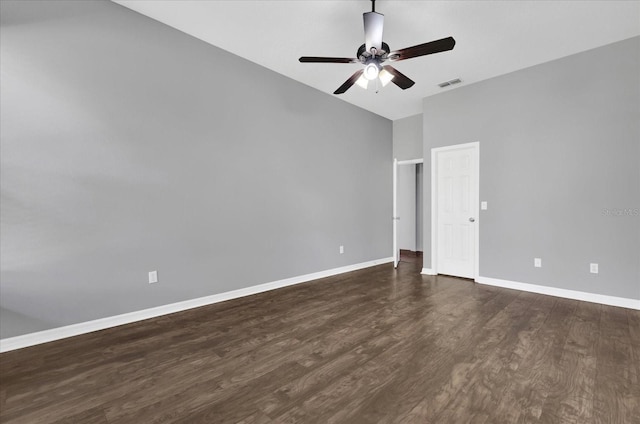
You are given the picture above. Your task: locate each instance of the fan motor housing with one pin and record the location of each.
(363, 54)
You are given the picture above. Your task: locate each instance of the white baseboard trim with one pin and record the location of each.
(19, 342)
(427, 271)
(622, 302)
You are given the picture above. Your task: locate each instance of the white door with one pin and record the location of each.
(396, 251)
(457, 210)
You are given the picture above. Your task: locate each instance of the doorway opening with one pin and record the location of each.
(407, 211)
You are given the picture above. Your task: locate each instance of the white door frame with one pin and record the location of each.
(434, 207)
(396, 163)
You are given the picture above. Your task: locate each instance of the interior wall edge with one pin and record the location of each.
(45, 336)
(621, 302)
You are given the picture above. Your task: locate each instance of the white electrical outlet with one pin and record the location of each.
(153, 277)
(537, 262)
(593, 268)
(483, 206)
(341, 250)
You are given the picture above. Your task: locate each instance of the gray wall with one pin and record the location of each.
(407, 138)
(559, 146)
(128, 146)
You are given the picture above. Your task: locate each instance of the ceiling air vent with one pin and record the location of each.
(448, 83)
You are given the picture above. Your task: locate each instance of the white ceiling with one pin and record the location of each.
(492, 37)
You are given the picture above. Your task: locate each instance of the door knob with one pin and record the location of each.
(472, 220)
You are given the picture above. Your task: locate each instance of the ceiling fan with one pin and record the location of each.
(374, 52)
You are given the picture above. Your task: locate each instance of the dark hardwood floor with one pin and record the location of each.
(372, 346)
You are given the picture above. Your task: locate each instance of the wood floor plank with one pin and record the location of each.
(617, 392)
(634, 333)
(571, 397)
(93, 416)
(531, 385)
(426, 374)
(378, 345)
(477, 376)
(426, 329)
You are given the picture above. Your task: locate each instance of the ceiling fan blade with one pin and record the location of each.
(399, 79)
(314, 59)
(348, 83)
(373, 26)
(431, 47)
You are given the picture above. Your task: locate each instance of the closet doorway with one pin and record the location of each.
(407, 211)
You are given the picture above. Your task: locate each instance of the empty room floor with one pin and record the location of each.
(372, 346)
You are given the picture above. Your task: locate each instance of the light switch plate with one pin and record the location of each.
(483, 206)
(153, 277)
(537, 262)
(593, 268)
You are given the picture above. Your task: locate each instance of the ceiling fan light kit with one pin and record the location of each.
(374, 52)
(371, 71)
(385, 77)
